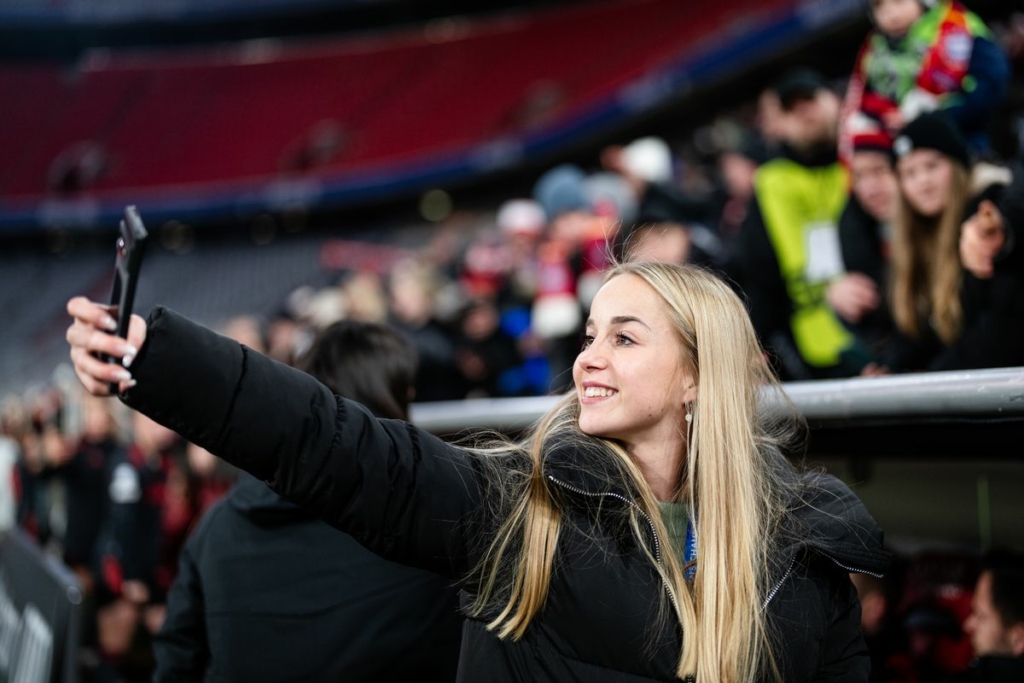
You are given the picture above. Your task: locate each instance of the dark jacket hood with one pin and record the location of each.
(830, 519)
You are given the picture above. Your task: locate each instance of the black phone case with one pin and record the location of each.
(127, 265)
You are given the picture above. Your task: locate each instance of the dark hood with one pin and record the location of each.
(830, 519)
(254, 499)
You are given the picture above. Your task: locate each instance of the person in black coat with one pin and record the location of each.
(865, 226)
(648, 529)
(268, 592)
(957, 273)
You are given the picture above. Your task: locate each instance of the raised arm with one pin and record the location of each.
(403, 493)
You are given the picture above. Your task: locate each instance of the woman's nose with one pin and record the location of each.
(591, 357)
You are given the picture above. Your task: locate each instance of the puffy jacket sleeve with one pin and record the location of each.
(401, 492)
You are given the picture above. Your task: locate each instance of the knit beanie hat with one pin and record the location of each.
(876, 140)
(936, 131)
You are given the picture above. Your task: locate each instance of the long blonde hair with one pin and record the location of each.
(925, 264)
(735, 476)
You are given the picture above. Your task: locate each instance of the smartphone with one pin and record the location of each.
(130, 242)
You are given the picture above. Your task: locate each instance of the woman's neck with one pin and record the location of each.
(662, 467)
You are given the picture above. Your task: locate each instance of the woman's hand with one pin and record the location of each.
(92, 333)
(981, 238)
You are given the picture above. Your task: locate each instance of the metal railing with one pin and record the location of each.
(936, 395)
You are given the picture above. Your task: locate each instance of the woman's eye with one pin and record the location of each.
(623, 339)
(587, 341)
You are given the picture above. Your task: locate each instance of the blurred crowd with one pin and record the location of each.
(871, 226)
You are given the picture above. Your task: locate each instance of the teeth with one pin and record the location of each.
(592, 392)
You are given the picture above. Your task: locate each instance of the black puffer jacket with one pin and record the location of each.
(267, 592)
(414, 499)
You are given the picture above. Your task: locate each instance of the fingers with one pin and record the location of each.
(92, 313)
(864, 292)
(101, 371)
(84, 336)
(90, 336)
(136, 337)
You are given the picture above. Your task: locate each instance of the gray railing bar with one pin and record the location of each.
(936, 394)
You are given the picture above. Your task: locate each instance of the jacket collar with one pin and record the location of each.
(825, 517)
(585, 468)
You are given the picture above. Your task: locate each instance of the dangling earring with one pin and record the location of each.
(689, 415)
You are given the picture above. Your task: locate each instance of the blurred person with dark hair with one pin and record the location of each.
(865, 234)
(957, 294)
(737, 168)
(923, 56)
(788, 251)
(35, 422)
(268, 592)
(485, 353)
(996, 623)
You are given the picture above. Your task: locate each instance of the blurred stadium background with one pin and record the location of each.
(277, 147)
(290, 124)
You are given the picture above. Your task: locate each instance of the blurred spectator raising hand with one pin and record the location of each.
(982, 237)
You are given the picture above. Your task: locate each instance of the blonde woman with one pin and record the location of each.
(648, 528)
(956, 279)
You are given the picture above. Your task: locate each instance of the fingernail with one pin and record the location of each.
(129, 355)
(131, 383)
(110, 323)
(123, 375)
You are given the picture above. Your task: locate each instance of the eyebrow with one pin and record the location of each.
(621, 320)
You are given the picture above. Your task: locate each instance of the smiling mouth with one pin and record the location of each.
(598, 392)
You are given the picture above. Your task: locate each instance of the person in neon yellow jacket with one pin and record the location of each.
(788, 251)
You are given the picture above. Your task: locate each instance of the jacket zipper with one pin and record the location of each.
(856, 570)
(633, 504)
(775, 589)
(792, 564)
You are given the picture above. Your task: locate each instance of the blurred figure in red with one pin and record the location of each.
(925, 55)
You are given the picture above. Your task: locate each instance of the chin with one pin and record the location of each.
(591, 429)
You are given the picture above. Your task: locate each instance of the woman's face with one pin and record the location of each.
(926, 178)
(630, 377)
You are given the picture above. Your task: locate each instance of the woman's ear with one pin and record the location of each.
(690, 394)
